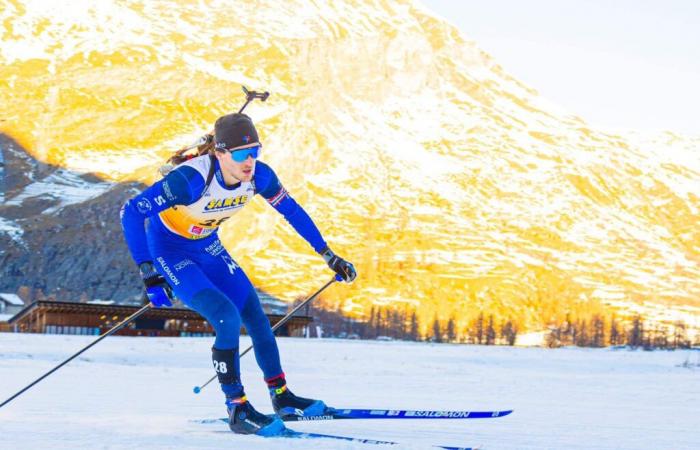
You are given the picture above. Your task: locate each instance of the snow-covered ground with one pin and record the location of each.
(137, 393)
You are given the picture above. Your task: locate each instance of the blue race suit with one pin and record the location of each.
(181, 240)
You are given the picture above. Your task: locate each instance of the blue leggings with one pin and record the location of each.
(205, 277)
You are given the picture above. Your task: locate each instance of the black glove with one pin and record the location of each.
(158, 290)
(344, 270)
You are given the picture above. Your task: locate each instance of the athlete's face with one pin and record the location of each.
(242, 171)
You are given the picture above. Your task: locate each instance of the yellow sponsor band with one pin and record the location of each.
(226, 202)
(179, 222)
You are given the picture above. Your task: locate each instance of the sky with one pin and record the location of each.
(619, 65)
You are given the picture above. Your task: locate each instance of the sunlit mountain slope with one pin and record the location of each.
(452, 186)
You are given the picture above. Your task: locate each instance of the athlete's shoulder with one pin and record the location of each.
(263, 175)
(268, 185)
(186, 182)
(263, 169)
(202, 164)
(265, 179)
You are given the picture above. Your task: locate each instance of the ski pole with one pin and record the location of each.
(198, 389)
(252, 95)
(208, 138)
(116, 328)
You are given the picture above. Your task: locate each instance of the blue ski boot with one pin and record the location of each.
(287, 404)
(244, 419)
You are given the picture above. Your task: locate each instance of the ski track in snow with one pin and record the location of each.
(137, 393)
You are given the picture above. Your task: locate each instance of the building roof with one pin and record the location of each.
(87, 308)
(11, 299)
(124, 310)
(5, 317)
(101, 302)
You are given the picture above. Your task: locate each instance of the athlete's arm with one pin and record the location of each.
(268, 185)
(182, 186)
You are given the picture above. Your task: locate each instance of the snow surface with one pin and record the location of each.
(137, 393)
(12, 229)
(63, 185)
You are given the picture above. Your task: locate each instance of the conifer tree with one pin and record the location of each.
(369, 330)
(490, 332)
(509, 332)
(437, 330)
(680, 337)
(413, 330)
(450, 331)
(615, 337)
(378, 322)
(479, 328)
(598, 332)
(636, 334)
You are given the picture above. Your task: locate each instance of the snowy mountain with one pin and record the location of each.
(58, 232)
(454, 187)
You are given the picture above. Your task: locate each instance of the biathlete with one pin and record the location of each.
(178, 251)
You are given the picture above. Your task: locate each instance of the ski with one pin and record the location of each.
(289, 433)
(338, 414)
(352, 413)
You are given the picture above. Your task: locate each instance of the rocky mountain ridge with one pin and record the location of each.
(455, 188)
(60, 232)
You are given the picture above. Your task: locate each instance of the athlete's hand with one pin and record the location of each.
(158, 290)
(344, 270)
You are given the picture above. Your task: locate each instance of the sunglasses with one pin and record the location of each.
(241, 154)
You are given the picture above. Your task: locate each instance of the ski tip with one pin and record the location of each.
(197, 389)
(504, 413)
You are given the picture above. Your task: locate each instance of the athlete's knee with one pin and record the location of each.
(218, 310)
(255, 320)
(252, 309)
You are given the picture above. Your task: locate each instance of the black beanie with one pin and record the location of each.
(234, 130)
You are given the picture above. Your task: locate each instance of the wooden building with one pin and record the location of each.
(53, 317)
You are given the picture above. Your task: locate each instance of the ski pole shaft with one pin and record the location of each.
(198, 389)
(207, 138)
(116, 328)
(201, 141)
(289, 315)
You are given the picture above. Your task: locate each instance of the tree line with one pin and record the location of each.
(599, 331)
(580, 329)
(385, 322)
